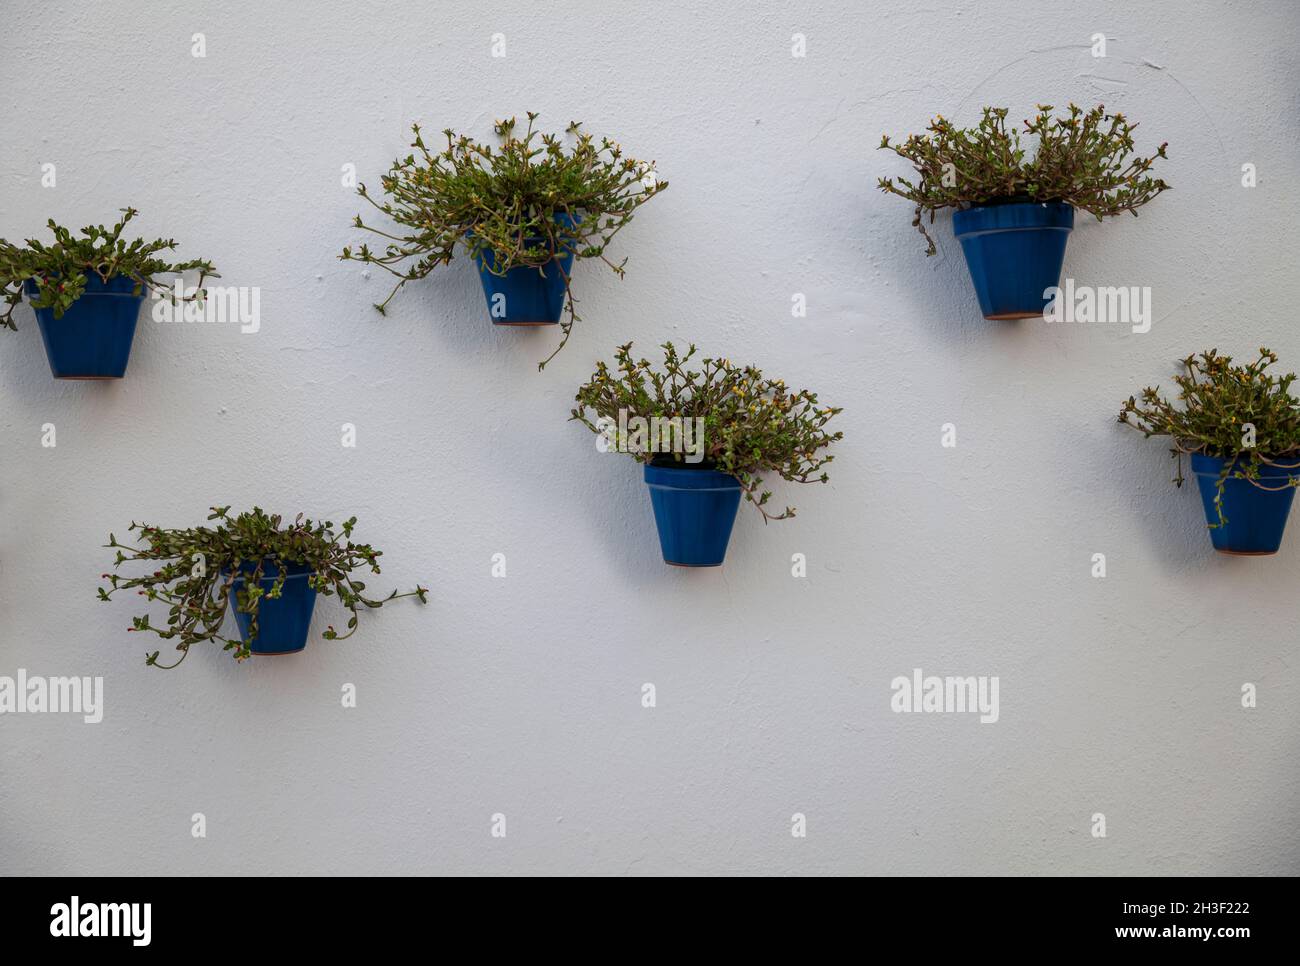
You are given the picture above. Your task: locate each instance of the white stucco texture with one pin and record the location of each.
(522, 696)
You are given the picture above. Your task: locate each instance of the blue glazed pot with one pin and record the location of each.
(93, 338)
(526, 295)
(281, 623)
(694, 511)
(1256, 517)
(1014, 252)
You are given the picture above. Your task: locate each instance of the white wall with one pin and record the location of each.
(522, 695)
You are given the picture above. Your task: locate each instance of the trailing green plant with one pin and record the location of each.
(198, 566)
(60, 269)
(1243, 415)
(1086, 159)
(504, 200)
(751, 425)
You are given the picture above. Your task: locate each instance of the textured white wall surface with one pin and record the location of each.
(522, 695)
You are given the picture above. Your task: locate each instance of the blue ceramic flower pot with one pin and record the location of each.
(1256, 516)
(526, 295)
(1014, 252)
(93, 338)
(694, 511)
(282, 623)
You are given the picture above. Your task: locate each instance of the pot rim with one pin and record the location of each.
(1018, 216)
(567, 221)
(673, 478)
(1206, 464)
(1015, 200)
(269, 578)
(102, 289)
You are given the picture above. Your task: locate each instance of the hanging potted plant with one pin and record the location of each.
(524, 211)
(86, 292)
(1241, 427)
(1013, 215)
(270, 575)
(705, 437)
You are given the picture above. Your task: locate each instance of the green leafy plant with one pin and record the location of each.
(1243, 415)
(751, 425)
(199, 565)
(1085, 159)
(503, 200)
(60, 270)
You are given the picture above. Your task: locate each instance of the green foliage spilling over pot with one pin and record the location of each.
(1086, 159)
(198, 566)
(502, 200)
(749, 425)
(59, 270)
(1243, 415)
